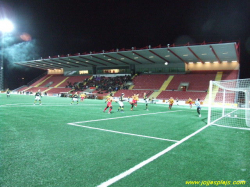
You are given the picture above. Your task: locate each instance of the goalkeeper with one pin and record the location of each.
(198, 105)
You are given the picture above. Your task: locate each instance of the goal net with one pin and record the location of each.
(229, 102)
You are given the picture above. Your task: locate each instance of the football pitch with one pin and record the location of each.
(58, 144)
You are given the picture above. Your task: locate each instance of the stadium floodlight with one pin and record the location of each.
(5, 27)
(229, 103)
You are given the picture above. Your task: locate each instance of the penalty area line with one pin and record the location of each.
(125, 117)
(145, 162)
(118, 132)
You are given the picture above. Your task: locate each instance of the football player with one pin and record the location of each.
(75, 97)
(38, 96)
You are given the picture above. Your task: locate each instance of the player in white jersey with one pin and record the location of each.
(121, 104)
(145, 97)
(38, 96)
(8, 92)
(75, 97)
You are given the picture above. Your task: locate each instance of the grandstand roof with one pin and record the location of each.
(218, 52)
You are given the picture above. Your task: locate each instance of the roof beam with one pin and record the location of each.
(144, 57)
(49, 64)
(77, 62)
(177, 55)
(92, 60)
(195, 55)
(61, 65)
(82, 62)
(68, 63)
(129, 58)
(30, 66)
(215, 54)
(158, 56)
(104, 60)
(116, 59)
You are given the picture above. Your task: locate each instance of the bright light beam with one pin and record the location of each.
(6, 26)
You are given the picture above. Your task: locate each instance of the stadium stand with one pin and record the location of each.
(155, 71)
(196, 81)
(197, 84)
(53, 84)
(227, 75)
(149, 81)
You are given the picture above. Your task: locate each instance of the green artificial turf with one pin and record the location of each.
(58, 144)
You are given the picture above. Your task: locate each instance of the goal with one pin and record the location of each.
(228, 103)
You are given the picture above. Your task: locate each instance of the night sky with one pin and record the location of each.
(68, 27)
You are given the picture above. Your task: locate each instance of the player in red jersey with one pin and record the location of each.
(134, 101)
(190, 101)
(171, 102)
(109, 103)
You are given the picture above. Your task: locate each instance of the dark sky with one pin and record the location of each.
(68, 27)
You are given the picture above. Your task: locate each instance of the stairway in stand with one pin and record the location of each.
(163, 87)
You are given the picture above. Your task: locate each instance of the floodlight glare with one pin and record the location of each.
(6, 26)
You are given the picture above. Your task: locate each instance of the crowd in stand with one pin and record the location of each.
(102, 84)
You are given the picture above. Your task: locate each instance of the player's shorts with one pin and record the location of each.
(37, 98)
(75, 99)
(171, 104)
(120, 103)
(146, 100)
(109, 104)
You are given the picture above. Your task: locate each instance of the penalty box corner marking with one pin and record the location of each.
(125, 133)
(145, 162)
(118, 132)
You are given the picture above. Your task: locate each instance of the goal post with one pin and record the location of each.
(229, 103)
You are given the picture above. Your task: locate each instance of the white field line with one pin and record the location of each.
(240, 128)
(145, 162)
(125, 116)
(118, 132)
(107, 130)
